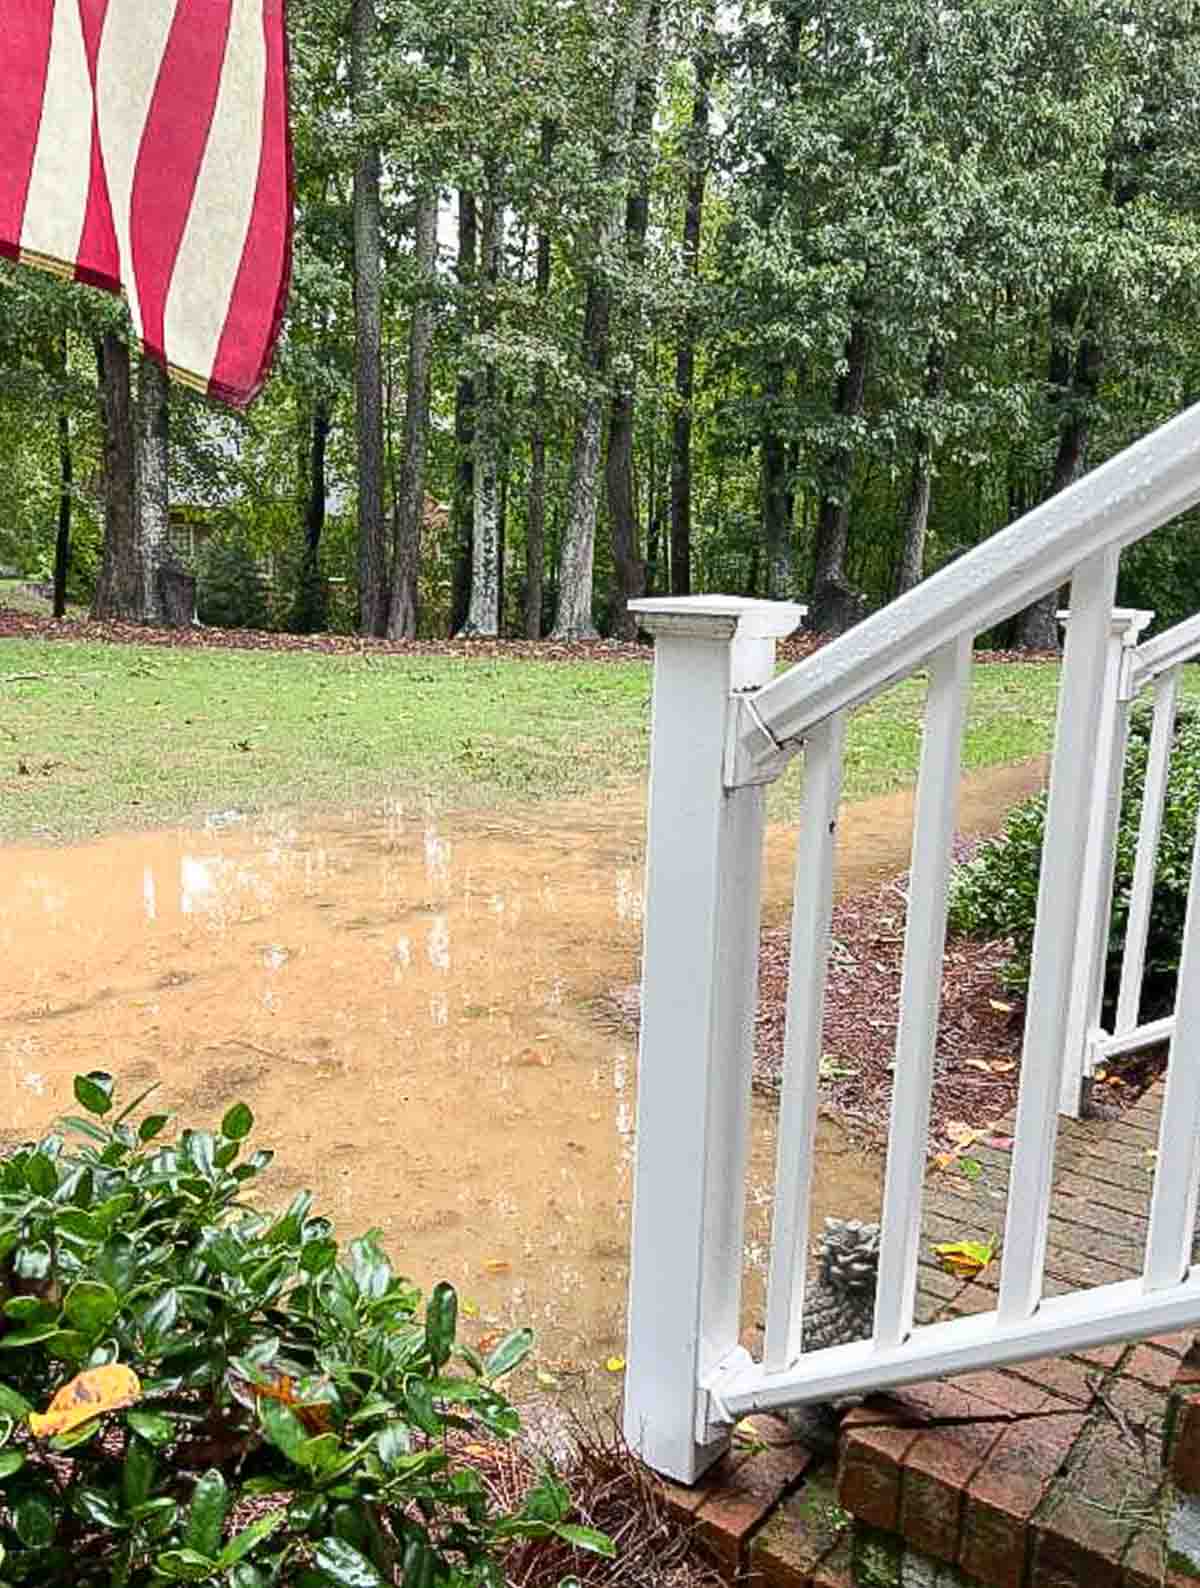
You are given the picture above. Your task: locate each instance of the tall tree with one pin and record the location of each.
(629, 572)
(152, 475)
(308, 614)
(119, 586)
(483, 613)
(463, 507)
(835, 605)
(916, 511)
(66, 472)
(410, 494)
(573, 619)
(368, 360)
(535, 513)
(685, 353)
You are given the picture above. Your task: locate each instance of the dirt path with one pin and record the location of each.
(408, 1007)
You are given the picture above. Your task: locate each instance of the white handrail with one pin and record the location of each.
(1116, 504)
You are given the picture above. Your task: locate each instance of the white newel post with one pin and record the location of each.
(699, 987)
(1096, 887)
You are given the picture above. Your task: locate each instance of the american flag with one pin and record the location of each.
(144, 148)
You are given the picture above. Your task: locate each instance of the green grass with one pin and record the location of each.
(113, 737)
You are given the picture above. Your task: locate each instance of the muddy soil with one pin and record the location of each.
(409, 1007)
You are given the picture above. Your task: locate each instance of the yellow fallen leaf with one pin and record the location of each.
(978, 1064)
(615, 1364)
(496, 1265)
(1000, 1008)
(89, 1394)
(967, 1259)
(1002, 1066)
(959, 1131)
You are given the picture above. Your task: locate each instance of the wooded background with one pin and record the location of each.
(595, 298)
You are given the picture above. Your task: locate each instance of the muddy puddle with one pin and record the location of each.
(409, 1006)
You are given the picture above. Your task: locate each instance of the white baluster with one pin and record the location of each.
(811, 909)
(921, 989)
(1095, 899)
(1063, 853)
(1173, 1205)
(1141, 898)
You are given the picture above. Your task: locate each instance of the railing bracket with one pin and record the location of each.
(713, 1417)
(743, 770)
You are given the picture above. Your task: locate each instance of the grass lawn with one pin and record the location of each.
(96, 737)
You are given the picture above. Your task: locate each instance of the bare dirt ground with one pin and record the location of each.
(410, 1008)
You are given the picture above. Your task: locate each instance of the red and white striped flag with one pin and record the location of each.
(144, 148)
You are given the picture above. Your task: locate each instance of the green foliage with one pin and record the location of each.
(995, 895)
(305, 1417)
(231, 592)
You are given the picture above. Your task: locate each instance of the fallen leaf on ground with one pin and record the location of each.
(1000, 1008)
(978, 1064)
(89, 1394)
(967, 1259)
(497, 1265)
(615, 1364)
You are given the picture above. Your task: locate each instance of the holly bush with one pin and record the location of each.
(995, 894)
(300, 1414)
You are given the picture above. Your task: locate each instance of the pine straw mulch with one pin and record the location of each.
(977, 1062)
(29, 626)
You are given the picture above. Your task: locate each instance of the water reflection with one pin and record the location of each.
(406, 1004)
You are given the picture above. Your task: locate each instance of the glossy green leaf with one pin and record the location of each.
(94, 1092)
(206, 1514)
(41, 1174)
(153, 1125)
(588, 1538)
(13, 1404)
(98, 1507)
(441, 1323)
(249, 1538)
(137, 1473)
(33, 1522)
(10, 1461)
(184, 1565)
(238, 1122)
(345, 1566)
(68, 1345)
(91, 1305)
(283, 1428)
(510, 1353)
(154, 1427)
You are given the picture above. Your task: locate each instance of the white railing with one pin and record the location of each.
(1133, 669)
(723, 728)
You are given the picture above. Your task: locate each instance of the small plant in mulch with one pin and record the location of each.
(193, 1390)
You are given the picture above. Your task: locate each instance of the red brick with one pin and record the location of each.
(791, 1544)
(1078, 1545)
(1176, 1344)
(937, 1471)
(1105, 1356)
(1008, 1489)
(1142, 1407)
(1182, 1441)
(1059, 1375)
(736, 1506)
(1142, 1566)
(1152, 1367)
(836, 1570)
(1004, 1390)
(875, 1439)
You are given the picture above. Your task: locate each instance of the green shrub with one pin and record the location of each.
(995, 895)
(231, 592)
(303, 1418)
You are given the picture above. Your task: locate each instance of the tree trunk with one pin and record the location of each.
(685, 353)
(368, 364)
(66, 471)
(535, 512)
(629, 573)
(835, 605)
(483, 613)
(916, 515)
(409, 507)
(119, 587)
(463, 514)
(777, 517)
(1074, 380)
(573, 620)
(152, 474)
(308, 616)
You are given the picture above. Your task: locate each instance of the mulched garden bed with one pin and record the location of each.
(29, 626)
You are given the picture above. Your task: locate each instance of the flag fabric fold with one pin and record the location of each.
(144, 148)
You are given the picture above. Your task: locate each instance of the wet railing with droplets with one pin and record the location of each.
(724, 727)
